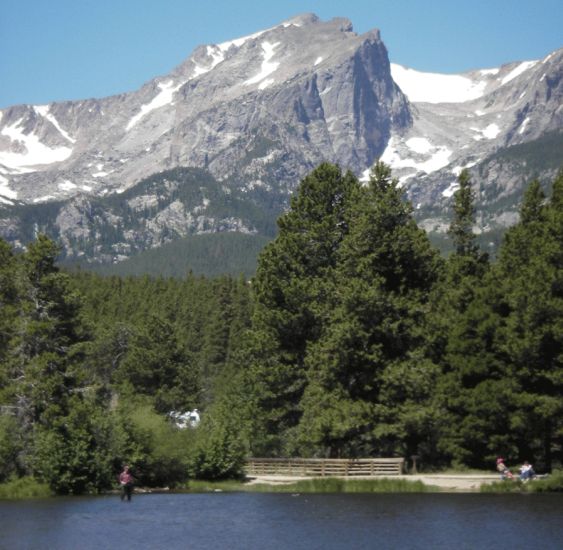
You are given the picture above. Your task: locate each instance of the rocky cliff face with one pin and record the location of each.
(255, 115)
(465, 121)
(304, 91)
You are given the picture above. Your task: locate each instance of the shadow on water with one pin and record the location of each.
(271, 521)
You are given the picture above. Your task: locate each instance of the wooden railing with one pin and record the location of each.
(321, 467)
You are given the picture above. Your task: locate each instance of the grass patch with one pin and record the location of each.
(506, 486)
(24, 487)
(334, 485)
(551, 484)
(325, 485)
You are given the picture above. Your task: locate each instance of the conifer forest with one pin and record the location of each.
(355, 338)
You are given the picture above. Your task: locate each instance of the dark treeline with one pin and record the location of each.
(356, 338)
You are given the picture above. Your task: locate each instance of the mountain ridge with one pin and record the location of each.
(258, 112)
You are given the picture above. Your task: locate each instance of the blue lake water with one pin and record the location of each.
(279, 521)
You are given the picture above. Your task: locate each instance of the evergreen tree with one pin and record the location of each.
(454, 326)
(501, 386)
(461, 227)
(44, 364)
(49, 330)
(9, 298)
(532, 209)
(530, 270)
(369, 378)
(293, 292)
(156, 365)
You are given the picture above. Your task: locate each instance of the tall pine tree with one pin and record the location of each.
(294, 291)
(369, 377)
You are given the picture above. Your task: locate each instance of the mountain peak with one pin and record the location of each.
(301, 20)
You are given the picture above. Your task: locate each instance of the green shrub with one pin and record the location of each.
(552, 484)
(159, 452)
(77, 452)
(219, 452)
(24, 487)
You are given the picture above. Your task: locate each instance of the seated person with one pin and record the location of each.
(503, 469)
(526, 471)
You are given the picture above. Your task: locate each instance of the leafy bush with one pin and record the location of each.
(219, 452)
(159, 452)
(78, 452)
(24, 487)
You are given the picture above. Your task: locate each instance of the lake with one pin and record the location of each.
(274, 521)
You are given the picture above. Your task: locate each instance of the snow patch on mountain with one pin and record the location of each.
(267, 67)
(436, 88)
(523, 125)
(522, 67)
(164, 97)
(486, 72)
(428, 157)
(489, 132)
(216, 55)
(238, 42)
(6, 192)
(43, 110)
(66, 185)
(27, 151)
(419, 145)
(45, 198)
(453, 187)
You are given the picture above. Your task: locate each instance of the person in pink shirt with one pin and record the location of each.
(126, 482)
(503, 470)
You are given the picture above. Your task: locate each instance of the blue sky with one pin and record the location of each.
(53, 50)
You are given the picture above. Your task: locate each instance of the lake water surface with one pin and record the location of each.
(274, 521)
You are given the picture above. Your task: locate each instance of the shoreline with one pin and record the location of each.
(454, 483)
(425, 483)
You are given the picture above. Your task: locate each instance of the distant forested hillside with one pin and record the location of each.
(210, 255)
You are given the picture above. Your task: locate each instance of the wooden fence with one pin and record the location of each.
(321, 467)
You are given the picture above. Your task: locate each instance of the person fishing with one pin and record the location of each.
(126, 481)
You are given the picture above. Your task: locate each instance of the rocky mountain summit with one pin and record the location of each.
(304, 91)
(253, 116)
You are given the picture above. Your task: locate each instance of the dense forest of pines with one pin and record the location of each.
(356, 338)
